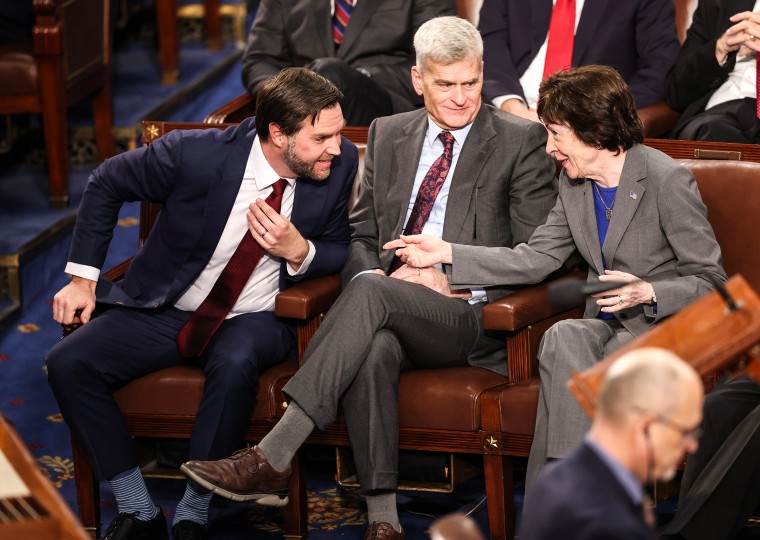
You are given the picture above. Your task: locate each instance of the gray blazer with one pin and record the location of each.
(378, 39)
(659, 232)
(502, 189)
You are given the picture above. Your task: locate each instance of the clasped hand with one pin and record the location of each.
(276, 234)
(634, 293)
(432, 278)
(744, 35)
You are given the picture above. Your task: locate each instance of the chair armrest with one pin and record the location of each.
(658, 119)
(309, 298)
(233, 111)
(523, 308)
(117, 272)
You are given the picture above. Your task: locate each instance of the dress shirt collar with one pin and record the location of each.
(258, 169)
(434, 130)
(630, 483)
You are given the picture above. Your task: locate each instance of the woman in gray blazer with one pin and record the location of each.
(633, 214)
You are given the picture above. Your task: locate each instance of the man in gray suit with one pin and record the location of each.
(497, 186)
(364, 47)
(634, 215)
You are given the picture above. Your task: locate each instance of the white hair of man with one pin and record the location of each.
(445, 40)
(649, 379)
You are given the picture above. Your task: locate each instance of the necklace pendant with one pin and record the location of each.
(608, 214)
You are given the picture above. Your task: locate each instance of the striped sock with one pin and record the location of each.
(194, 505)
(132, 495)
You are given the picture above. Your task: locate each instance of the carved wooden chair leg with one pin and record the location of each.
(88, 491)
(295, 513)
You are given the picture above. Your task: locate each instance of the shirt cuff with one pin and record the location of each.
(306, 262)
(478, 296)
(82, 270)
(498, 100)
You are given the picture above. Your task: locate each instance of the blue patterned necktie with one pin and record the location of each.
(343, 9)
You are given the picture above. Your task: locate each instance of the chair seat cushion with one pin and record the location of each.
(517, 407)
(447, 398)
(177, 391)
(18, 70)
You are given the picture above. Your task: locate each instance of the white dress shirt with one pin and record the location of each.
(531, 79)
(262, 287)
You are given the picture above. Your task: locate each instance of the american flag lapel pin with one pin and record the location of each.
(633, 195)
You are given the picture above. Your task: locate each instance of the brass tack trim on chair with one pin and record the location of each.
(492, 442)
(284, 404)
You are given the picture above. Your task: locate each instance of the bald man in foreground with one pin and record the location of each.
(648, 416)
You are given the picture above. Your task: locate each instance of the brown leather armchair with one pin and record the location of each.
(439, 410)
(509, 411)
(68, 59)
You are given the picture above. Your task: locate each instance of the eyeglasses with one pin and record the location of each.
(693, 433)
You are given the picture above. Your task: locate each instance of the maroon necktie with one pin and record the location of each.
(757, 82)
(195, 335)
(559, 48)
(429, 189)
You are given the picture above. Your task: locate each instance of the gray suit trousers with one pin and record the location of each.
(570, 345)
(378, 327)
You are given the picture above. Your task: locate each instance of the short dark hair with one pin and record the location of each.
(291, 97)
(595, 103)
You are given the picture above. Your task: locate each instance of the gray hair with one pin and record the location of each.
(445, 40)
(647, 379)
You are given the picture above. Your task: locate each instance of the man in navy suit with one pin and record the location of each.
(648, 414)
(636, 37)
(212, 184)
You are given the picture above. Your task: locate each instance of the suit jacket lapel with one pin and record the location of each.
(405, 155)
(540, 19)
(221, 196)
(323, 27)
(591, 17)
(308, 203)
(472, 158)
(359, 19)
(627, 199)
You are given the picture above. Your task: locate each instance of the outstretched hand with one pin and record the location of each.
(421, 250)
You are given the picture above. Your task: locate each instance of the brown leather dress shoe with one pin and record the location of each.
(380, 530)
(244, 476)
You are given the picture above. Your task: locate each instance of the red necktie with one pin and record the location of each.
(429, 189)
(195, 335)
(343, 9)
(559, 49)
(757, 82)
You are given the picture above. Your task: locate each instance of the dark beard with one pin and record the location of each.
(303, 169)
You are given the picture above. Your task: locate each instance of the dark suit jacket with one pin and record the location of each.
(378, 39)
(696, 74)
(503, 186)
(636, 37)
(196, 175)
(579, 498)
